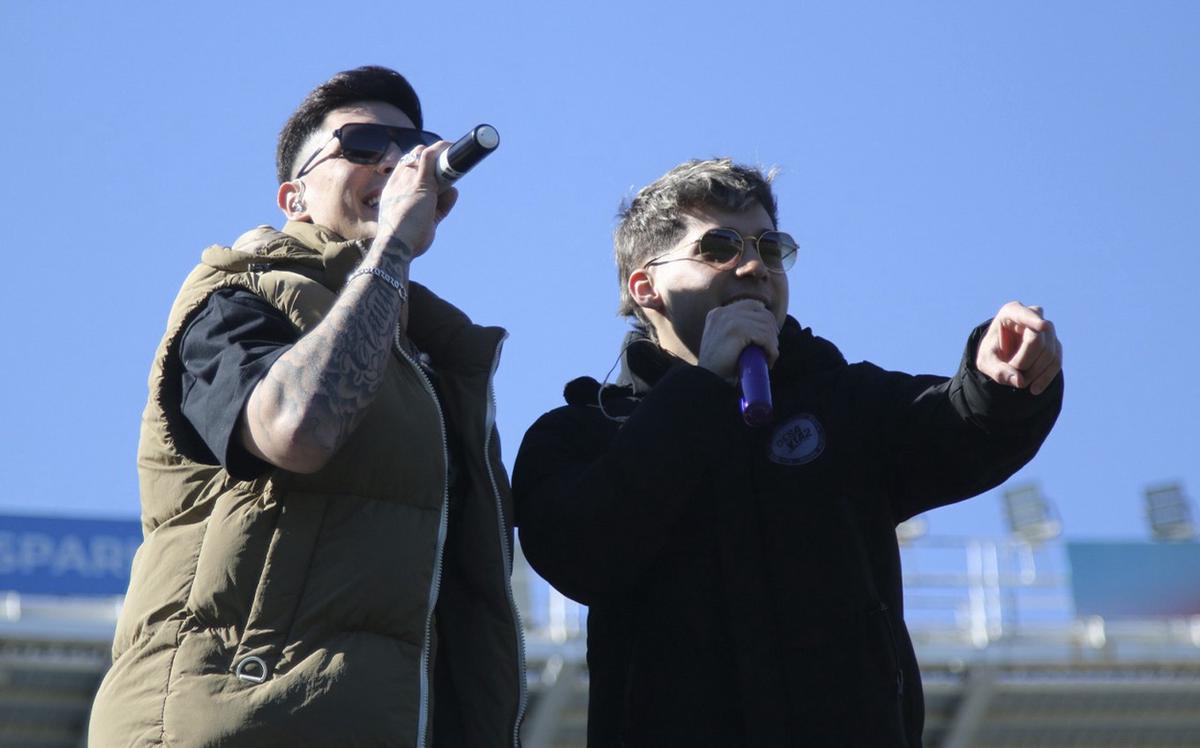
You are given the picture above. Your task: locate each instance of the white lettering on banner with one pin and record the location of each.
(111, 556)
(8, 554)
(35, 549)
(37, 552)
(69, 558)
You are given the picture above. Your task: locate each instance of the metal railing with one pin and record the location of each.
(965, 598)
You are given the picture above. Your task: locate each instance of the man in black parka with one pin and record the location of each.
(743, 583)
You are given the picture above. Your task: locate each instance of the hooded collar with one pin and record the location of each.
(801, 353)
(643, 362)
(436, 326)
(301, 247)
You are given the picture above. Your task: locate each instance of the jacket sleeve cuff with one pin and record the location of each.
(990, 401)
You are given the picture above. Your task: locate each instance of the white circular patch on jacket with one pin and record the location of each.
(799, 441)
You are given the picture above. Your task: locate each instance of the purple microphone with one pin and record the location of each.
(756, 386)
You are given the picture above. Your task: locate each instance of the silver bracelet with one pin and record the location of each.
(385, 277)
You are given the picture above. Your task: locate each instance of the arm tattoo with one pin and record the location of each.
(330, 376)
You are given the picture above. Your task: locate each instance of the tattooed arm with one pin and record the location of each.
(313, 396)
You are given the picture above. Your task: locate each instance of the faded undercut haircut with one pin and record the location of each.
(367, 83)
(652, 221)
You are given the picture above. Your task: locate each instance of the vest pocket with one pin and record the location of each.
(280, 585)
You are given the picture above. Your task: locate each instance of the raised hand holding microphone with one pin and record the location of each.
(424, 179)
(734, 336)
(412, 203)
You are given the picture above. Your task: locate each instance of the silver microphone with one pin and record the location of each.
(467, 151)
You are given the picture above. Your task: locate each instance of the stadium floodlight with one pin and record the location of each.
(1031, 517)
(1169, 513)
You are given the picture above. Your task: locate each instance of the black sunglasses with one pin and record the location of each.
(367, 142)
(722, 249)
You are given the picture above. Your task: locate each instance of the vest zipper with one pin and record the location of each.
(436, 583)
(489, 423)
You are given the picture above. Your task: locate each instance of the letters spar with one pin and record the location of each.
(39, 553)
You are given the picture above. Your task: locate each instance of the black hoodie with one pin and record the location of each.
(744, 584)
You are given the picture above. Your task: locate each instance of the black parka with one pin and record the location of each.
(744, 584)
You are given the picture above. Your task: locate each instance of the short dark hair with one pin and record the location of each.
(367, 83)
(651, 222)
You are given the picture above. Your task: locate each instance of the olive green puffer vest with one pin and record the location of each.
(300, 609)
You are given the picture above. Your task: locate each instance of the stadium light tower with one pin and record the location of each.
(1031, 517)
(1169, 512)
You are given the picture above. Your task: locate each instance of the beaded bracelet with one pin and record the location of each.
(385, 277)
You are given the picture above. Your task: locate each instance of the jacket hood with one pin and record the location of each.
(311, 250)
(436, 326)
(801, 353)
(643, 363)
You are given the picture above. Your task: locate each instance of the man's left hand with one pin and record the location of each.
(1020, 348)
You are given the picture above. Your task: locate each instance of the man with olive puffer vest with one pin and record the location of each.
(327, 520)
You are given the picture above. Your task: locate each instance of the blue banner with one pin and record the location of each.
(1135, 580)
(63, 556)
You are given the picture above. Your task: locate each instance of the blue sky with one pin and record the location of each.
(937, 159)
